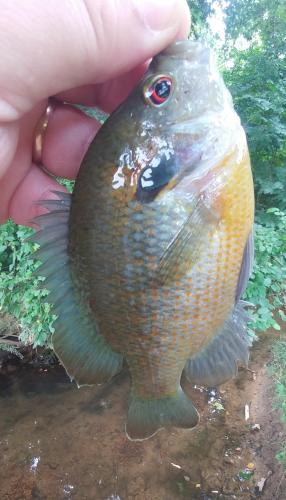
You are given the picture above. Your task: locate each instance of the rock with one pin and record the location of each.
(255, 427)
(228, 461)
(260, 485)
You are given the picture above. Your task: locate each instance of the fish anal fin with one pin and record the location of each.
(218, 361)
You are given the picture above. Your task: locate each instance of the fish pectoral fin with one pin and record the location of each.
(84, 353)
(217, 362)
(187, 245)
(147, 416)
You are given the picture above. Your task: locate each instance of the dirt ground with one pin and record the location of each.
(263, 444)
(58, 442)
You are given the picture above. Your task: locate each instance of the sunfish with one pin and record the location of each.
(147, 260)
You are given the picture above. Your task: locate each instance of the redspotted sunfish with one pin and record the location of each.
(147, 260)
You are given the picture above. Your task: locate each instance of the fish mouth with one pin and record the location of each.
(189, 50)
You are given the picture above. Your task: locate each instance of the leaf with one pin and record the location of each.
(276, 326)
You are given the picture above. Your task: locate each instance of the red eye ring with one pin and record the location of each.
(158, 90)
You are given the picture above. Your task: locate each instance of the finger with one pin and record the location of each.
(70, 132)
(66, 141)
(9, 133)
(107, 95)
(84, 95)
(70, 43)
(36, 185)
(68, 136)
(19, 142)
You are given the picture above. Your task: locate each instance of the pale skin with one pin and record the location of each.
(90, 52)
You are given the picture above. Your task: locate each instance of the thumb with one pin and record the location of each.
(49, 47)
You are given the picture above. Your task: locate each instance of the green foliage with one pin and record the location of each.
(266, 290)
(20, 292)
(258, 86)
(200, 9)
(264, 20)
(257, 81)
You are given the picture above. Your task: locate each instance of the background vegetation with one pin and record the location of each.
(252, 56)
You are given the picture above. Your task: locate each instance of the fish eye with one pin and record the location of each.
(158, 90)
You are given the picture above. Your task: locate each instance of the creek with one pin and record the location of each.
(58, 442)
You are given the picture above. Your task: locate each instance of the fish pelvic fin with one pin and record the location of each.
(82, 350)
(218, 361)
(147, 416)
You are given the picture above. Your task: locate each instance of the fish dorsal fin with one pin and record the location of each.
(85, 354)
(246, 267)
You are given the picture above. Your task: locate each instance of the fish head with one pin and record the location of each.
(182, 123)
(195, 85)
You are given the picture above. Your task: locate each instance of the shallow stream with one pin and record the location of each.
(59, 442)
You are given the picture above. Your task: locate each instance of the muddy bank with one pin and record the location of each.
(22, 356)
(27, 358)
(58, 442)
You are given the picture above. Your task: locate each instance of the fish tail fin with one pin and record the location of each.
(84, 353)
(147, 416)
(217, 362)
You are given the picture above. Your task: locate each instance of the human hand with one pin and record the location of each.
(90, 52)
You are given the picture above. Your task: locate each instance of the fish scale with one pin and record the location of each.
(158, 246)
(151, 305)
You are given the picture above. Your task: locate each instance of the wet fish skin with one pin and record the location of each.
(157, 274)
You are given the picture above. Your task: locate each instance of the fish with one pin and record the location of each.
(146, 261)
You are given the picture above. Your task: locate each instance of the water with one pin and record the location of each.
(59, 442)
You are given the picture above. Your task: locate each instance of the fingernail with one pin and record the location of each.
(157, 15)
